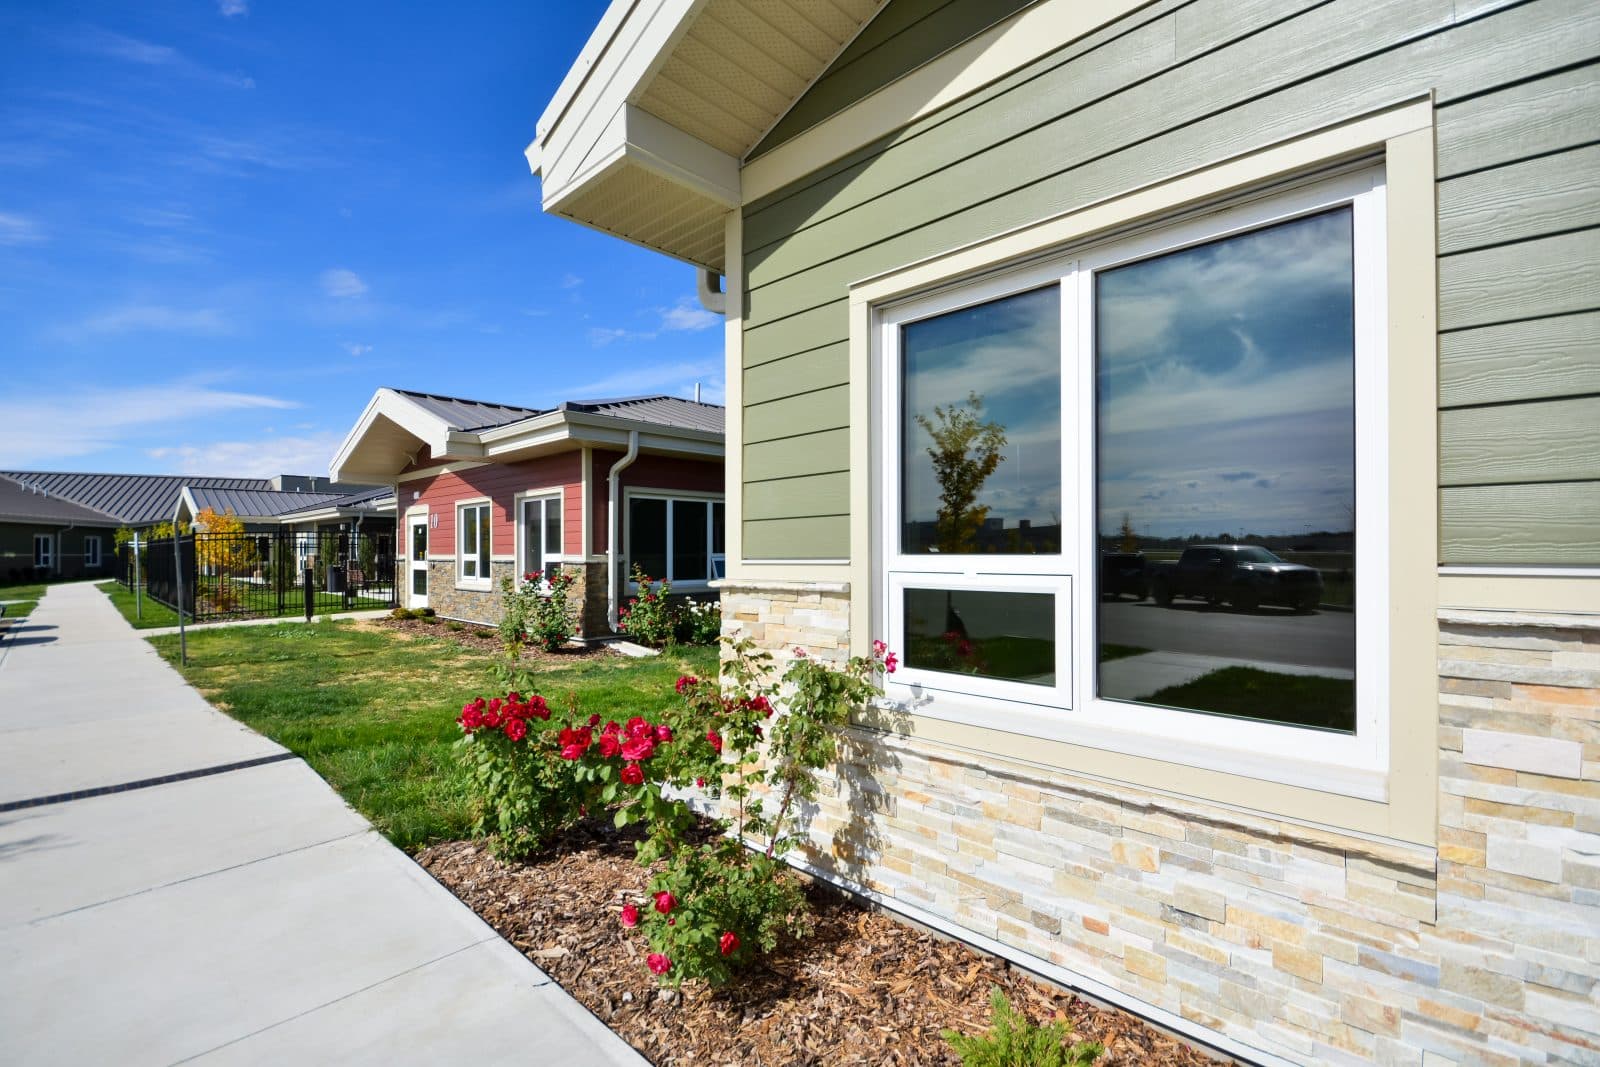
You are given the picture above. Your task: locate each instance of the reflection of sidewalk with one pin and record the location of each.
(1136, 677)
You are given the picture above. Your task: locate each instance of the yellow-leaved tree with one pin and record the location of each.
(220, 544)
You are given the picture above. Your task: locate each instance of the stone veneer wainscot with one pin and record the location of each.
(1303, 942)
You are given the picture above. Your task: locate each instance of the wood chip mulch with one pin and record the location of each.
(472, 635)
(864, 989)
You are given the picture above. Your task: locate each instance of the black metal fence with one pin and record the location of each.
(254, 575)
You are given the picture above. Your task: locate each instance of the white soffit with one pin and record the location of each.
(644, 138)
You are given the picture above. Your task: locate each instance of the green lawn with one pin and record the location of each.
(373, 710)
(1297, 699)
(155, 614)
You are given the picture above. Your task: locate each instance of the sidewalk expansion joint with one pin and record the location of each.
(143, 783)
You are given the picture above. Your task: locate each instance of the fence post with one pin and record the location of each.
(278, 554)
(177, 566)
(309, 581)
(138, 588)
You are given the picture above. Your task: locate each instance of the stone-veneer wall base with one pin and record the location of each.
(1285, 940)
(484, 606)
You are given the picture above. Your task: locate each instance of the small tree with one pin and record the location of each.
(1128, 541)
(965, 452)
(220, 543)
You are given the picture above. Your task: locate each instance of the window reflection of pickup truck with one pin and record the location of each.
(1242, 575)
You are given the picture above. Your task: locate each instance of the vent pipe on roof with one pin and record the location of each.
(709, 290)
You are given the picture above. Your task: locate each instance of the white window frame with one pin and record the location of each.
(1355, 764)
(482, 552)
(93, 561)
(44, 556)
(670, 495)
(557, 494)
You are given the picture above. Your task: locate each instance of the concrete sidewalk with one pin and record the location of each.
(230, 914)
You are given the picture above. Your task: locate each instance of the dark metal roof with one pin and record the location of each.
(658, 410)
(461, 414)
(478, 415)
(256, 503)
(18, 503)
(133, 499)
(363, 500)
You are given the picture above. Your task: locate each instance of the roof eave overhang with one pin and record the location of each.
(561, 431)
(360, 460)
(593, 140)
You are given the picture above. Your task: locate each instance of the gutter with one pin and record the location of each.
(613, 589)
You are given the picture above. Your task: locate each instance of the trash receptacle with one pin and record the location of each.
(335, 579)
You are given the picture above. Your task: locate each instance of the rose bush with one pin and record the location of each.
(716, 905)
(541, 609)
(651, 618)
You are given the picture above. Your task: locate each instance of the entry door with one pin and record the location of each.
(419, 563)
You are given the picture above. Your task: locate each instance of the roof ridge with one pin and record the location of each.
(463, 400)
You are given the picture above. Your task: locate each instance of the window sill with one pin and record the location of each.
(473, 585)
(1347, 779)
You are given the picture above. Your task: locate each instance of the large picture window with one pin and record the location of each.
(1121, 486)
(472, 544)
(675, 537)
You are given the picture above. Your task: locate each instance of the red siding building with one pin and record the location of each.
(490, 493)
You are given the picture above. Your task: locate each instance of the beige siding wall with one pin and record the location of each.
(1179, 85)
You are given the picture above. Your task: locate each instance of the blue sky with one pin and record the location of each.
(223, 224)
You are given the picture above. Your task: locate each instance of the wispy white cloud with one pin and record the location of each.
(19, 230)
(53, 427)
(149, 318)
(600, 336)
(687, 314)
(570, 281)
(117, 46)
(260, 458)
(232, 8)
(356, 349)
(342, 284)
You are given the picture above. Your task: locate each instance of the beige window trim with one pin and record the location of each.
(1403, 136)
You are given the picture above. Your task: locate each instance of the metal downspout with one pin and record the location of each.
(613, 522)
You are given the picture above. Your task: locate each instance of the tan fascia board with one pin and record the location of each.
(586, 429)
(435, 434)
(631, 42)
(636, 138)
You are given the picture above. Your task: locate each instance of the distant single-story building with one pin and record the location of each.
(488, 492)
(45, 536)
(1284, 313)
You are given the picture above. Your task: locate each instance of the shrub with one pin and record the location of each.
(455, 627)
(702, 622)
(715, 906)
(539, 611)
(426, 613)
(651, 618)
(1014, 1040)
(525, 794)
(403, 613)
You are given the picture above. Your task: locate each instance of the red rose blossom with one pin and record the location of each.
(663, 734)
(715, 739)
(571, 752)
(665, 902)
(657, 963)
(516, 729)
(630, 915)
(700, 783)
(632, 775)
(729, 943)
(638, 727)
(491, 718)
(638, 748)
(890, 662)
(611, 729)
(594, 720)
(686, 681)
(537, 707)
(609, 746)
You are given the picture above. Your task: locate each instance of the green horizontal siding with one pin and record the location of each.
(1171, 88)
(813, 496)
(1543, 195)
(791, 457)
(1511, 443)
(805, 538)
(1535, 359)
(900, 38)
(1550, 524)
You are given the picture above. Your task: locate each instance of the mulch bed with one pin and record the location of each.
(472, 635)
(864, 989)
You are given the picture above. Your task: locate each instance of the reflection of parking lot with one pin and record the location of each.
(1320, 639)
